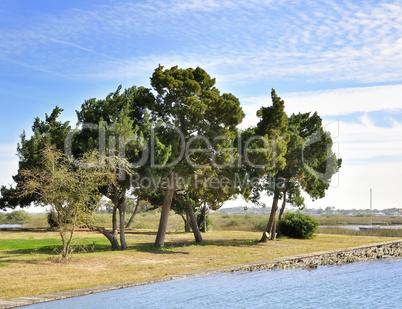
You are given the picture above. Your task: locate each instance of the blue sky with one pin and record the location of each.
(340, 58)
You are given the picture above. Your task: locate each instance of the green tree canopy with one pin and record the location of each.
(310, 163)
(119, 126)
(198, 122)
(29, 150)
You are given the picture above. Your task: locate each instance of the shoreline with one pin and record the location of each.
(389, 249)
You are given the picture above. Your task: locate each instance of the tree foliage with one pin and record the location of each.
(177, 146)
(309, 164)
(48, 131)
(119, 126)
(199, 123)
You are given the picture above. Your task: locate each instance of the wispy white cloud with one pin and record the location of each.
(241, 40)
(336, 102)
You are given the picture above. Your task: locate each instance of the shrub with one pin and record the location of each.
(51, 219)
(200, 221)
(18, 216)
(298, 225)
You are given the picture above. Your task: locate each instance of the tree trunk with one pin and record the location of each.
(271, 222)
(113, 240)
(134, 213)
(193, 219)
(122, 216)
(273, 231)
(167, 201)
(205, 217)
(185, 222)
(187, 227)
(282, 211)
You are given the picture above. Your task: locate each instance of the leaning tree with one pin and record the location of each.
(310, 165)
(273, 126)
(198, 122)
(311, 160)
(119, 127)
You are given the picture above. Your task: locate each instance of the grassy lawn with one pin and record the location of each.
(30, 264)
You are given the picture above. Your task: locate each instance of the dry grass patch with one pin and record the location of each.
(29, 272)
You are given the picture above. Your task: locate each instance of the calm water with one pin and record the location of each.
(9, 225)
(358, 285)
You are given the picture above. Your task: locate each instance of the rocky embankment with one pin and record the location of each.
(391, 249)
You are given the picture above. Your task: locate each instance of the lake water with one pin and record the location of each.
(9, 225)
(359, 285)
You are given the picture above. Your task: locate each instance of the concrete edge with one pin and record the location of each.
(29, 300)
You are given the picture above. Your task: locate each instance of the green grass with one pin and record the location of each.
(53, 245)
(28, 244)
(30, 265)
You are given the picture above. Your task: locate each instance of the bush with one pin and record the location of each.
(298, 225)
(51, 219)
(200, 221)
(18, 216)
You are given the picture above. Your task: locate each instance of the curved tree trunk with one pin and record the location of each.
(134, 213)
(187, 227)
(186, 223)
(113, 240)
(167, 202)
(193, 219)
(271, 222)
(273, 231)
(282, 211)
(112, 236)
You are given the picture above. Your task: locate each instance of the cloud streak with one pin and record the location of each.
(243, 41)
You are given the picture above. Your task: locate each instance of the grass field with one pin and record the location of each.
(30, 262)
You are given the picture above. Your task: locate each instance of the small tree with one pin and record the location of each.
(72, 193)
